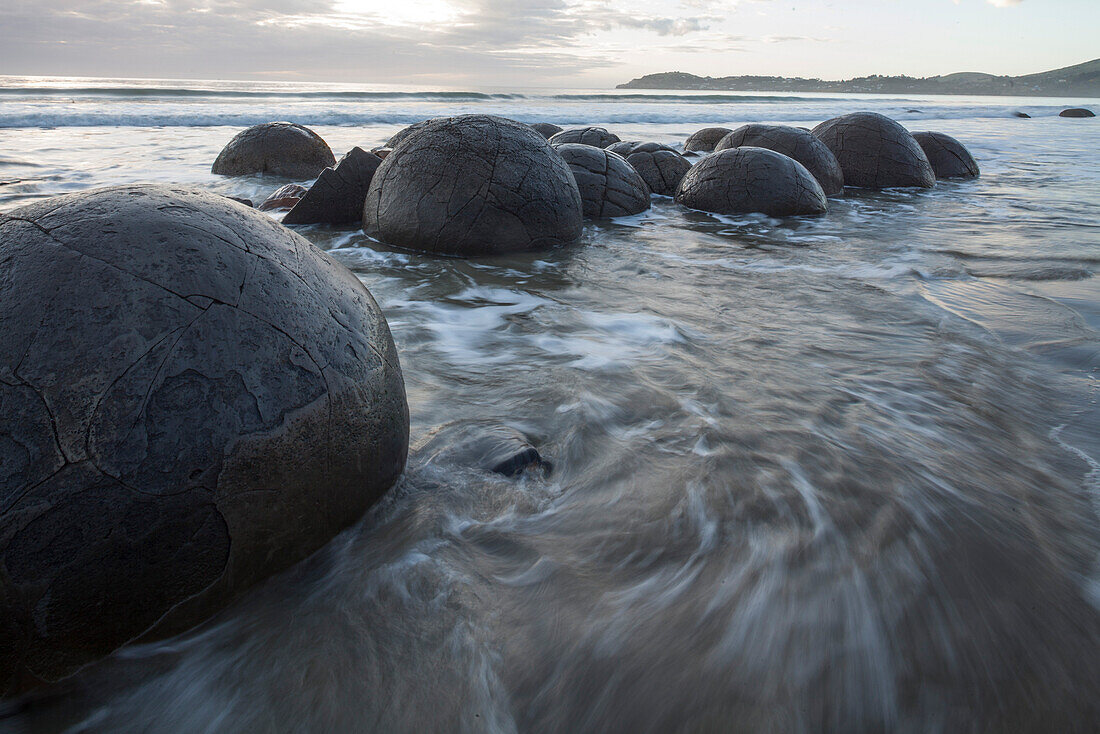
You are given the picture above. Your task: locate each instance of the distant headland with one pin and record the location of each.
(1079, 80)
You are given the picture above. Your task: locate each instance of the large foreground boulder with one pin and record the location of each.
(276, 149)
(660, 167)
(609, 186)
(703, 141)
(793, 142)
(949, 157)
(337, 196)
(875, 152)
(1077, 112)
(473, 185)
(747, 179)
(193, 398)
(594, 136)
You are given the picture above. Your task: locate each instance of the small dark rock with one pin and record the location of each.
(275, 148)
(875, 152)
(483, 445)
(338, 194)
(546, 130)
(381, 152)
(1077, 112)
(239, 200)
(626, 148)
(1022, 115)
(661, 167)
(609, 186)
(747, 179)
(793, 142)
(703, 141)
(284, 197)
(594, 136)
(949, 157)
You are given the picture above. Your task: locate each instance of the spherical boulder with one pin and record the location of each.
(747, 179)
(277, 149)
(609, 186)
(949, 157)
(546, 129)
(659, 166)
(594, 136)
(473, 185)
(405, 132)
(193, 398)
(703, 141)
(794, 143)
(337, 196)
(627, 147)
(875, 152)
(1077, 112)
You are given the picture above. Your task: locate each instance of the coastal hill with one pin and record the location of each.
(1079, 80)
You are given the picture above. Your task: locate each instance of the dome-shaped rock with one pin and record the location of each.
(949, 157)
(747, 179)
(194, 397)
(405, 132)
(277, 149)
(546, 129)
(594, 136)
(875, 152)
(473, 185)
(1077, 112)
(792, 142)
(659, 166)
(703, 141)
(284, 197)
(609, 186)
(627, 147)
(337, 196)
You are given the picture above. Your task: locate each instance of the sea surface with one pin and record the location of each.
(811, 474)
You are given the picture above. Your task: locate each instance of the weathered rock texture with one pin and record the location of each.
(875, 152)
(1077, 112)
(627, 147)
(703, 141)
(949, 157)
(546, 129)
(659, 166)
(473, 185)
(483, 445)
(275, 148)
(792, 142)
(751, 179)
(594, 136)
(337, 196)
(284, 197)
(609, 186)
(192, 397)
(403, 133)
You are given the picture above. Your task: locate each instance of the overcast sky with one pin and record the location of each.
(588, 43)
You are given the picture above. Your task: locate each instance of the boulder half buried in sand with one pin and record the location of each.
(546, 129)
(875, 152)
(276, 149)
(949, 157)
(609, 186)
(337, 196)
(660, 167)
(595, 136)
(703, 141)
(1077, 112)
(792, 142)
(747, 179)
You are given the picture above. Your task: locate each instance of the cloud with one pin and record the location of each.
(1004, 3)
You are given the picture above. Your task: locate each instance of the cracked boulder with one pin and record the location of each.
(337, 196)
(276, 149)
(405, 132)
(473, 185)
(660, 167)
(192, 398)
(747, 179)
(703, 141)
(595, 136)
(793, 142)
(875, 152)
(949, 157)
(609, 186)
(546, 129)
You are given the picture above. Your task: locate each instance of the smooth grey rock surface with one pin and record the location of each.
(546, 129)
(337, 196)
(284, 197)
(792, 142)
(949, 157)
(609, 186)
(660, 167)
(1077, 112)
(875, 152)
(474, 185)
(703, 141)
(192, 397)
(277, 149)
(595, 136)
(747, 179)
(483, 445)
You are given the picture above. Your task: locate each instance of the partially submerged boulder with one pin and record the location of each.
(483, 445)
(1077, 112)
(627, 147)
(794, 142)
(660, 167)
(199, 398)
(283, 198)
(473, 185)
(594, 136)
(276, 149)
(609, 186)
(703, 141)
(546, 129)
(875, 152)
(337, 196)
(949, 157)
(747, 179)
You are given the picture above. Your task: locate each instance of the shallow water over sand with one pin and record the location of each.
(810, 474)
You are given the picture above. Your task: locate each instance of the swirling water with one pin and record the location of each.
(811, 474)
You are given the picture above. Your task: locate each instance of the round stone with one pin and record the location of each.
(609, 186)
(405, 132)
(627, 147)
(875, 152)
(949, 157)
(192, 397)
(792, 142)
(1077, 112)
(594, 136)
(473, 185)
(704, 140)
(747, 179)
(659, 166)
(276, 149)
(546, 129)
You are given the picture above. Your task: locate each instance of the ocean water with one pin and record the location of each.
(811, 474)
